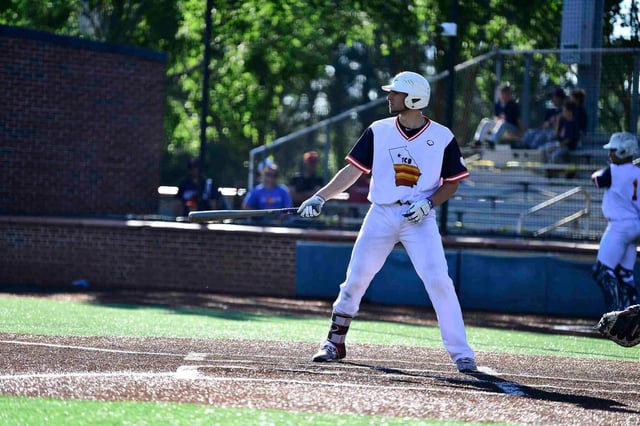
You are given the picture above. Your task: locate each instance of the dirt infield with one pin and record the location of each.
(376, 380)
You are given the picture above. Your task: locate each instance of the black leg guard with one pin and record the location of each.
(627, 285)
(606, 279)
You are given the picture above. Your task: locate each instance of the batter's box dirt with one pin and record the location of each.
(376, 380)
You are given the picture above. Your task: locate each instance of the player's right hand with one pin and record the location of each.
(311, 207)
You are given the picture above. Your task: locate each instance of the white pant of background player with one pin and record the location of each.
(383, 227)
(619, 243)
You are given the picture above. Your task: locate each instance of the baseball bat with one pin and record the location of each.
(217, 215)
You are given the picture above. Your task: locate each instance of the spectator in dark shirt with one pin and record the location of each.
(552, 114)
(508, 125)
(505, 125)
(538, 137)
(306, 182)
(578, 96)
(566, 136)
(197, 192)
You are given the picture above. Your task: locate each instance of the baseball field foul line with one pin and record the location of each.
(87, 348)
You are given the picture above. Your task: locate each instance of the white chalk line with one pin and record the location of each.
(128, 374)
(89, 348)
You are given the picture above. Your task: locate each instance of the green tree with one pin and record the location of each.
(273, 61)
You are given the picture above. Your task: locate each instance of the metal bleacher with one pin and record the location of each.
(512, 194)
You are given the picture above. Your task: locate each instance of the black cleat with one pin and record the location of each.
(466, 365)
(330, 352)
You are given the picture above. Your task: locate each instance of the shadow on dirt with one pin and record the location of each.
(486, 382)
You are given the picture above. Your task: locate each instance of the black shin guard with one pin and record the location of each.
(627, 286)
(606, 279)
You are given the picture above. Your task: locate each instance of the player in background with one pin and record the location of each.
(416, 165)
(613, 271)
(197, 192)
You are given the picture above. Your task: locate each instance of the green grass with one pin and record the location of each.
(55, 317)
(39, 411)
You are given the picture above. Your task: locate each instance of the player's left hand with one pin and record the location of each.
(418, 210)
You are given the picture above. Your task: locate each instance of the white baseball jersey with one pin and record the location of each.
(621, 207)
(406, 165)
(621, 199)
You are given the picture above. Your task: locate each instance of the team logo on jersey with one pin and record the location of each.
(405, 167)
(430, 142)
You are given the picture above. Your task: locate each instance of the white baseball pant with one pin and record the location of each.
(618, 244)
(383, 227)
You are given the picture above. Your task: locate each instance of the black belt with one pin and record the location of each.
(402, 203)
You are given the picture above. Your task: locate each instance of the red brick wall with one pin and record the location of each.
(111, 254)
(81, 125)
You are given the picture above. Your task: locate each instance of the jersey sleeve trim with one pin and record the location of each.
(458, 177)
(602, 178)
(355, 163)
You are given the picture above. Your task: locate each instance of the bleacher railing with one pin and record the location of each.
(571, 218)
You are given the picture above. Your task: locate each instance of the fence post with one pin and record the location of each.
(206, 72)
(633, 125)
(499, 59)
(327, 149)
(526, 91)
(453, 53)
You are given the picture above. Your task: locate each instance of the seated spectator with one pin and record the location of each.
(197, 192)
(537, 137)
(269, 194)
(306, 182)
(566, 136)
(358, 193)
(552, 113)
(257, 172)
(578, 96)
(506, 124)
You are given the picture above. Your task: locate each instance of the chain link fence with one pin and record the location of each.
(512, 191)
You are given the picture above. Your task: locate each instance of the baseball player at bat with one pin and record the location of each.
(613, 271)
(415, 165)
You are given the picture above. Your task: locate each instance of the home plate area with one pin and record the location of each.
(373, 380)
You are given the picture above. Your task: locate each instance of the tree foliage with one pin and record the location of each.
(279, 65)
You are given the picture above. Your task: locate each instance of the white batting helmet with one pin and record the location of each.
(414, 85)
(625, 144)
